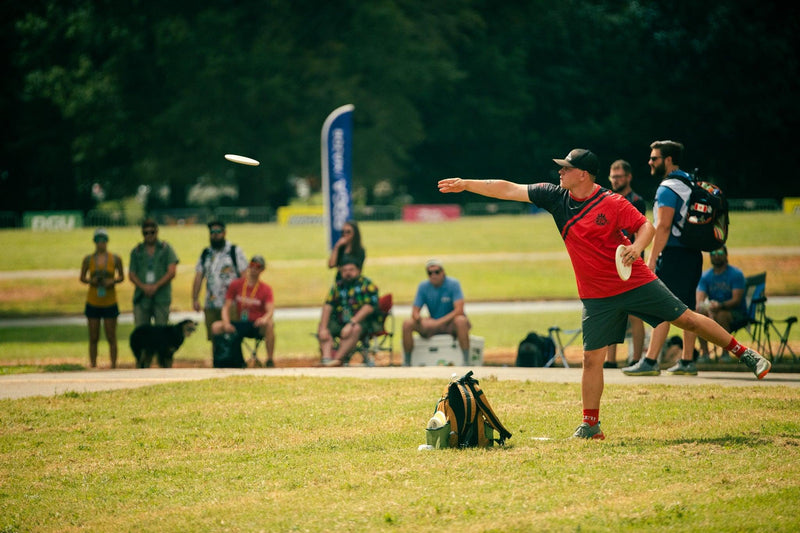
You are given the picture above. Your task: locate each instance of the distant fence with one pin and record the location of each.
(261, 214)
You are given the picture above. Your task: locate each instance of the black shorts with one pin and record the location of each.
(92, 311)
(245, 328)
(680, 270)
(605, 319)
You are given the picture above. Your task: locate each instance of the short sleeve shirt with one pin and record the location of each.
(439, 300)
(218, 268)
(592, 228)
(251, 302)
(720, 287)
(150, 269)
(347, 298)
(674, 193)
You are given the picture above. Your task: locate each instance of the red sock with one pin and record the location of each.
(735, 348)
(590, 416)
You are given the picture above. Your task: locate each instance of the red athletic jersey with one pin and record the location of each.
(254, 300)
(592, 228)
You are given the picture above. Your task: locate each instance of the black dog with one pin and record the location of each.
(148, 340)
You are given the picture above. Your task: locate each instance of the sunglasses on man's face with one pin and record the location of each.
(432, 272)
(216, 231)
(149, 232)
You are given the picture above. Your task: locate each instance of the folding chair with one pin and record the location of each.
(754, 321)
(783, 337)
(382, 340)
(555, 336)
(253, 350)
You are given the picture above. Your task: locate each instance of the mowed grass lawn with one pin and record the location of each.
(245, 454)
(495, 258)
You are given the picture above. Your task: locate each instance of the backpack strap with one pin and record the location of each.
(486, 409)
(233, 259)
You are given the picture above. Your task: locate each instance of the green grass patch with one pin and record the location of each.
(315, 454)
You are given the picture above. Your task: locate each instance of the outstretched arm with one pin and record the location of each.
(501, 189)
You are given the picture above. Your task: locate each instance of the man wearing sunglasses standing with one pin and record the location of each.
(153, 265)
(445, 302)
(220, 263)
(677, 265)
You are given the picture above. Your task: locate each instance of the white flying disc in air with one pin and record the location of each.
(623, 270)
(242, 160)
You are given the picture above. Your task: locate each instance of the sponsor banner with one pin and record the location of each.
(52, 220)
(430, 213)
(791, 206)
(298, 215)
(337, 155)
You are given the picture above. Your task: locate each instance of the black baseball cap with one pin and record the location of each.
(582, 159)
(219, 223)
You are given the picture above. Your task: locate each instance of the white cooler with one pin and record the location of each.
(443, 350)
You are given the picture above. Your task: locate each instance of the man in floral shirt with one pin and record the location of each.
(349, 313)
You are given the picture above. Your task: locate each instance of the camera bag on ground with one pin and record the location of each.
(705, 226)
(227, 351)
(472, 419)
(535, 350)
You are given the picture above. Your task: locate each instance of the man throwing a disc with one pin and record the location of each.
(591, 221)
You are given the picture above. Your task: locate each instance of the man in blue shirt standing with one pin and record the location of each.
(720, 295)
(445, 302)
(676, 265)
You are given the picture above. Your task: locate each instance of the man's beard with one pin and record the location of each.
(218, 244)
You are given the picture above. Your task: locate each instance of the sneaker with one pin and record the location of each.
(703, 359)
(726, 358)
(609, 364)
(270, 363)
(332, 362)
(683, 369)
(756, 363)
(642, 368)
(585, 431)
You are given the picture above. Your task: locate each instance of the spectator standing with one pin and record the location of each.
(620, 177)
(589, 219)
(443, 297)
(102, 271)
(219, 264)
(152, 268)
(678, 266)
(348, 248)
(349, 313)
(251, 302)
(720, 296)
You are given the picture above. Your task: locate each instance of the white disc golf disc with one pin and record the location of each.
(242, 160)
(623, 270)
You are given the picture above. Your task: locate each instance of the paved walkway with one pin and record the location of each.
(50, 384)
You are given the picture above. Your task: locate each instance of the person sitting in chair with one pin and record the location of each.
(255, 308)
(349, 314)
(720, 295)
(445, 302)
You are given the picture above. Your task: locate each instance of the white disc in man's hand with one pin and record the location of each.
(242, 160)
(623, 270)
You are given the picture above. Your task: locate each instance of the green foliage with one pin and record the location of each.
(275, 453)
(156, 93)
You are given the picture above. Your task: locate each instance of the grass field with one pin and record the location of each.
(245, 454)
(495, 258)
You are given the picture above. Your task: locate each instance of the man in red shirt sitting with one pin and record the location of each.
(255, 309)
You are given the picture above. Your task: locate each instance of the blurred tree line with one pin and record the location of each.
(137, 93)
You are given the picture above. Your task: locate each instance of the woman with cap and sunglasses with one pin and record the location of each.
(102, 271)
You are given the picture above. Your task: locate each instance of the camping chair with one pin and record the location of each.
(783, 337)
(754, 321)
(382, 340)
(253, 350)
(555, 336)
